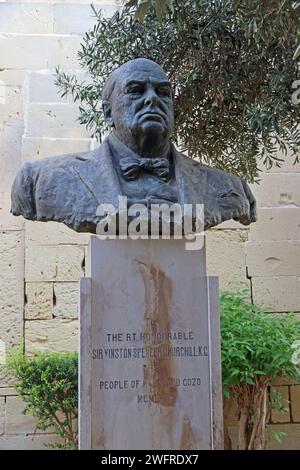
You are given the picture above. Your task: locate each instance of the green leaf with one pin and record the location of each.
(296, 53)
(131, 3)
(279, 436)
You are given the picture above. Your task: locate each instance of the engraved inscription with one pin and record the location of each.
(155, 346)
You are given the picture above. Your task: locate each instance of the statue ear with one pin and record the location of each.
(106, 106)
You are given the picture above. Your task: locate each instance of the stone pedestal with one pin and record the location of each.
(150, 373)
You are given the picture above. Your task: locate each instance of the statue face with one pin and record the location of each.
(141, 102)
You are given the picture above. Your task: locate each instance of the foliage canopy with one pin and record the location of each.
(232, 65)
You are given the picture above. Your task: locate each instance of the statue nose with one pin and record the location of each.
(151, 98)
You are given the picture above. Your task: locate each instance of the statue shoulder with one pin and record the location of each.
(59, 161)
(46, 169)
(213, 173)
(233, 195)
(227, 191)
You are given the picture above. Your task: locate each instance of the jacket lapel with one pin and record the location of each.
(191, 180)
(97, 174)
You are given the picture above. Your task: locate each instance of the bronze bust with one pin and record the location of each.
(136, 160)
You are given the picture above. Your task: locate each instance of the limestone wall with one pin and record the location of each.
(40, 264)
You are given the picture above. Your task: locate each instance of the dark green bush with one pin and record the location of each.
(48, 384)
(257, 347)
(255, 343)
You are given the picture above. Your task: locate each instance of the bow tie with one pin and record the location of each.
(131, 167)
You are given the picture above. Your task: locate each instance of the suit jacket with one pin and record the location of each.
(69, 188)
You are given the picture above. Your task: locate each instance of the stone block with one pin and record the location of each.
(273, 258)
(11, 130)
(277, 294)
(51, 335)
(5, 379)
(34, 148)
(281, 417)
(7, 221)
(290, 442)
(7, 391)
(66, 299)
(35, 52)
(30, 442)
(276, 224)
(53, 233)
(287, 166)
(77, 19)
(39, 300)
(10, 103)
(26, 18)
(15, 421)
(295, 403)
(54, 263)
(278, 190)
(231, 225)
(11, 286)
(2, 415)
(10, 151)
(12, 77)
(40, 86)
(54, 120)
(225, 252)
(284, 381)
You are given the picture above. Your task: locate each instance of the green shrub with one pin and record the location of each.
(48, 384)
(256, 348)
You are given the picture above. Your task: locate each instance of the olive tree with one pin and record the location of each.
(232, 63)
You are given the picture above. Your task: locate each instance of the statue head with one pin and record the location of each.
(137, 104)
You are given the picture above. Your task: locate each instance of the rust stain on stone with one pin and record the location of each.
(100, 442)
(159, 372)
(188, 440)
